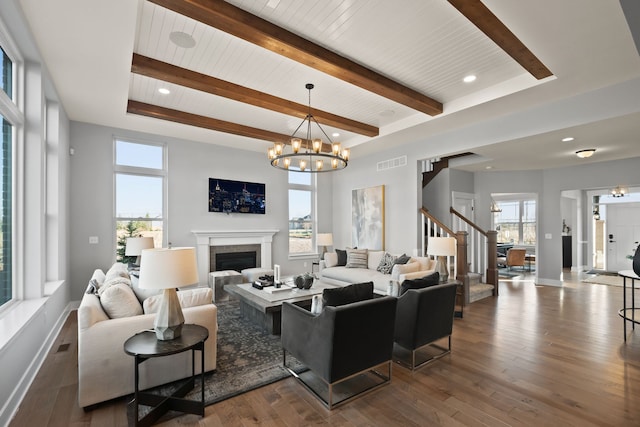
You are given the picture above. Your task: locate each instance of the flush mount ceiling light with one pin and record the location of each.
(583, 154)
(164, 91)
(619, 191)
(181, 39)
(470, 78)
(312, 159)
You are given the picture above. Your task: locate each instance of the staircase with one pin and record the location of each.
(477, 290)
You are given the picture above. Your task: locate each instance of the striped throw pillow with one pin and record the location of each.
(357, 258)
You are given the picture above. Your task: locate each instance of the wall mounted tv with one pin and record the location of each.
(236, 196)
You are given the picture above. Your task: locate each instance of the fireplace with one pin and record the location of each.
(211, 243)
(237, 261)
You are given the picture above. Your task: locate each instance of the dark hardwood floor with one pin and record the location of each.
(535, 355)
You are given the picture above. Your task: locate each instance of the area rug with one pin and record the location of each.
(247, 358)
(604, 279)
(506, 273)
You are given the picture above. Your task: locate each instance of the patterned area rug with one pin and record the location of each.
(247, 359)
(604, 279)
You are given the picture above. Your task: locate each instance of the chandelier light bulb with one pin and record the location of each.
(334, 163)
(278, 147)
(345, 154)
(296, 143)
(271, 153)
(303, 165)
(287, 162)
(319, 164)
(317, 145)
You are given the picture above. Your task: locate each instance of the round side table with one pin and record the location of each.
(143, 346)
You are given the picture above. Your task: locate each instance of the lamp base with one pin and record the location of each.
(442, 268)
(169, 318)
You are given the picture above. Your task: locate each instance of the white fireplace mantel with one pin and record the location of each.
(207, 238)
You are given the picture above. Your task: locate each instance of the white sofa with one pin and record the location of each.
(415, 268)
(105, 371)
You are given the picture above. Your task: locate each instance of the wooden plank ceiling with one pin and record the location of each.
(256, 30)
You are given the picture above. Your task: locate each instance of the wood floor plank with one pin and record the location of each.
(535, 355)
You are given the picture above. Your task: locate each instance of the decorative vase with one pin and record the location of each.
(303, 281)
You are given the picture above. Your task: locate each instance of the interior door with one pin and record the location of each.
(623, 235)
(464, 203)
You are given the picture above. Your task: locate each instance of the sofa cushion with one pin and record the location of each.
(342, 257)
(347, 294)
(399, 269)
(142, 293)
(188, 298)
(330, 259)
(425, 262)
(424, 282)
(118, 300)
(373, 259)
(386, 263)
(356, 258)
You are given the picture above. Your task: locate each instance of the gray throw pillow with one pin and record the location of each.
(347, 294)
(402, 259)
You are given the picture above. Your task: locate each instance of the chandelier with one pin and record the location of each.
(306, 154)
(619, 191)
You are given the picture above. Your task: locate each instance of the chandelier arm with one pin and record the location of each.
(318, 124)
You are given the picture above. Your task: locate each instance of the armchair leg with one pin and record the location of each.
(413, 365)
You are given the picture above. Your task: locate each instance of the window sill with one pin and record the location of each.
(301, 257)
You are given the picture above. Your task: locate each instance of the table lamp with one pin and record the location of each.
(135, 245)
(168, 269)
(324, 240)
(442, 248)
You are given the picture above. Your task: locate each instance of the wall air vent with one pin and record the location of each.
(392, 163)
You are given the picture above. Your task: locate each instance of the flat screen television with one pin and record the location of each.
(236, 196)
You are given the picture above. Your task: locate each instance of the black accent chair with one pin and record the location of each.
(342, 347)
(423, 316)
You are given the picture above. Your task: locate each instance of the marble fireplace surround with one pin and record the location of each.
(207, 238)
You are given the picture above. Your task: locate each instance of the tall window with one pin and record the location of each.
(517, 221)
(8, 108)
(140, 186)
(301, 213)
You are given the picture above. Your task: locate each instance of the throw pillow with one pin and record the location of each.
(113, 281)
(342, 257)
(424, 282)
(403, 259)
(119, 301)
(330, 259)
(347, 294)
(117, 270)
(356, 258)
(141, 293)
(92, 288)
(373, 259)
(189, 298)
(386, 263)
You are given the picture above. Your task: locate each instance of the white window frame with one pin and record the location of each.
(141, 171)
(13, 111)
(521, 201)
(312, 188)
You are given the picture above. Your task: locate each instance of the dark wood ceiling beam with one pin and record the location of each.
(162, 113)
(480, 16)
(170, 73)
(233, 20)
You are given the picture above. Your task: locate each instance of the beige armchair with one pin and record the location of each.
(515, 258)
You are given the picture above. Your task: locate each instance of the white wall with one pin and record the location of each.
(190, 165)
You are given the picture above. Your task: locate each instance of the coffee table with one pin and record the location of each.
(265, 309)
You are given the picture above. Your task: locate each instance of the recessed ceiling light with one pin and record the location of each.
(335, 134)
(164, 91)
(470, 78)
(387, 113)
(568, 139)
(488, 167)
(181, 39)
(583, 154)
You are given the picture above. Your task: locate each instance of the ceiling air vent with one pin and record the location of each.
(392, 163)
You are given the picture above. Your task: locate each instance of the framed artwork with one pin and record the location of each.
(367, 218)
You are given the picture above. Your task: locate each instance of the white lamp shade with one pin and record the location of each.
(441, 246)
(324, 239)
(168, 268)
(135, 245)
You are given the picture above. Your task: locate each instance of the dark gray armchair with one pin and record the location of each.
(341, 347)
(423, 316)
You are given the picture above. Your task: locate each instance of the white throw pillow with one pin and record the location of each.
(374, 259)
(330, 259)
(117, 270)
(189, 298)
(425, 262)
(115, 280)
(398, 269)
(118, 301)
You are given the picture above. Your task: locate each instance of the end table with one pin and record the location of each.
(143, 346)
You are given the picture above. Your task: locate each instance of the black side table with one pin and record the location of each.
(145, 345)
